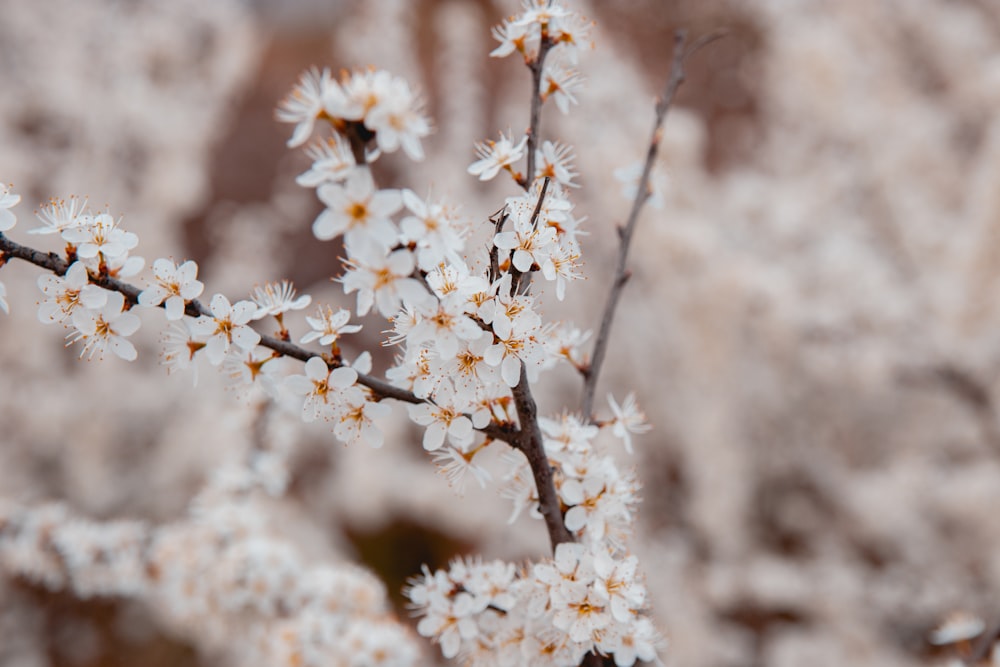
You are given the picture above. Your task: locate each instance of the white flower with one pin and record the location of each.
(530, 244)
(568, 433)
(332, 159)
(322, 388)
(67, 293)
(357, 209)
(435, 229)
(496, 155)
(175, 285)
(628, 419)
(358, 422)
(228, 325)
(616, 584)
(444, 418)
(555, 160)
(560, 81)
(277, 299)
(60, 214)
(381, 279)
(329, 326)
(560, 266)
(179, 348)
(637, 640)
(100, 235)
(455, 463)
(7, 201)
(445, 325)
(516, 35)
(304, 104)
(106, 328)
(397, 121)
(566, 342)
(123, 266)
(243, 369)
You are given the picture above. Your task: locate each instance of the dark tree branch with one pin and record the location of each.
(530, 442)
(537, 68)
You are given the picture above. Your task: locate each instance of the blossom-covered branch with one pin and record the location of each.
(469, 333)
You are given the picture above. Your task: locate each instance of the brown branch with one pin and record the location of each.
(530, 442)
(537, 67)
(380, 388)
(621, 275)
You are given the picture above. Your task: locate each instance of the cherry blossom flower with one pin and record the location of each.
(560, 266)
(359, 93)
(227, 326)
(445, 325)
(304, 104)
(381, 279)
(175, 286)
(516, 35)
(67, 293)
(628, 420)
(277, 299)
(8, 199)
(637, 640)
(496, 155)
(566, 341)
(323, 389)
(106, 328)
(123, 266)
(435, 229)
(333, 161)
(617, 585)
(456, 464)
(397, 121)
(179, 348)
(100, 235)
(60, 214)
(444, 418)
(358, 422)
(568, 433)
(555, 160)
(530, 244)
(357, 209)
(329, 326)
(560, 81)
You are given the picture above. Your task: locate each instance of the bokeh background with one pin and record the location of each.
(813, 325)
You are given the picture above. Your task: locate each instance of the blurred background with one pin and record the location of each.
(813, 326)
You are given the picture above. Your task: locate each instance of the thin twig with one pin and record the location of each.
(621, 275)
(380, 388)
(537, 68)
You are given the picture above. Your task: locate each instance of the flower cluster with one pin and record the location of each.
(552, 613)
(367, 104)
(215, 572)
(96, 247)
